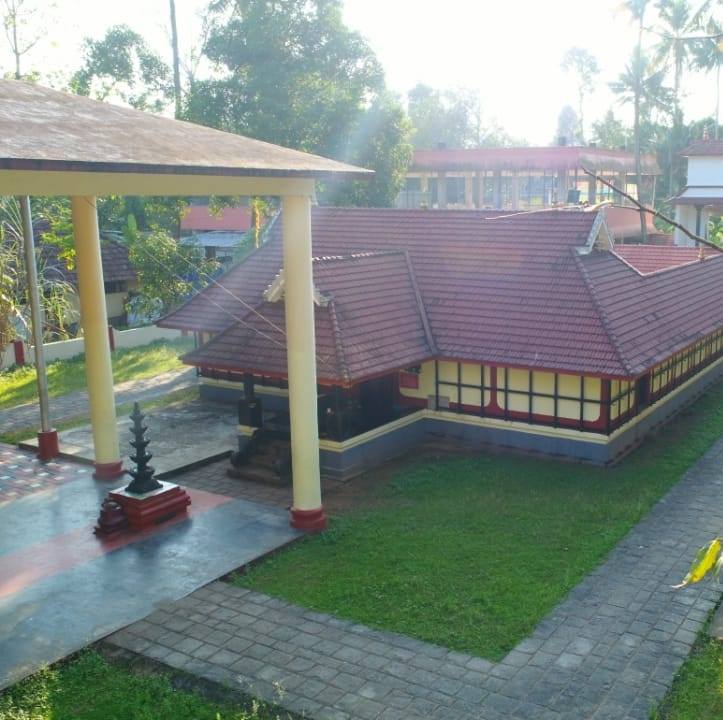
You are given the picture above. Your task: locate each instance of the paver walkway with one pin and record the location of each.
(75, 404)
(609, 650)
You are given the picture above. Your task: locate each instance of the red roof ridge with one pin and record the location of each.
(607, 325)
(338, 340)
(420, 304)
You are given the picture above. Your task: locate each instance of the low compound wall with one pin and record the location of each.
(66, 349)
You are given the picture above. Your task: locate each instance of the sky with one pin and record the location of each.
(509, 50)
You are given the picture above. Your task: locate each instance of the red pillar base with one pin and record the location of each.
(154, 507)
(312, 521)
(48, 447)
(108, 471)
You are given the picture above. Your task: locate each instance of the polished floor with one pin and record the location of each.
(62, 588)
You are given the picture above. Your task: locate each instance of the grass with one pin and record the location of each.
(177, 396)
(471, 552)
(697, 692)
(18, 384)
(91, 688)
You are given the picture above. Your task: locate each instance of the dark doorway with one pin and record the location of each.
(642, 392)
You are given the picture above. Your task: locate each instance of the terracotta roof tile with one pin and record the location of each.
(651, 258)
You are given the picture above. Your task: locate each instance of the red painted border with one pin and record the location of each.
(312, 521)
(108, 471)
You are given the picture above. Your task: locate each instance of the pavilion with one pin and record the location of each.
(53, 143)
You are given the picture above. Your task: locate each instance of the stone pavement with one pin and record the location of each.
(609, 650)
(74, 405)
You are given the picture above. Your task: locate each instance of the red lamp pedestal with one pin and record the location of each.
(153, 507)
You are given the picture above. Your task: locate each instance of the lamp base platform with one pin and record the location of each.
(152, 508)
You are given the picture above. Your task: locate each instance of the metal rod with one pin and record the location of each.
(35, 311)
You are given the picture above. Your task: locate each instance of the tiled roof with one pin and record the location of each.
(511, 290)
(114, 255)
(651, 258)
(650, 317)
(703, 147)
(529, 158)
(198, 217)
(371, 322)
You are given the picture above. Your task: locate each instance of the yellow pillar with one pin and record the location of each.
(93, 317)
(307, 512)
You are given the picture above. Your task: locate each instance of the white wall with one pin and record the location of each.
(705, 171)
(65, 349)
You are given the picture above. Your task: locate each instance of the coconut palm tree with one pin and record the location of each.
(707, 56)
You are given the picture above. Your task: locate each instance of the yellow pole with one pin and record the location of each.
(93, 317)
(307, 512)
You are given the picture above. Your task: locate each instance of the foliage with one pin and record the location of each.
(471, 552)
(583, 65)
(23, 29)
(609, 132)
(18, 384)
(568, 127)
(452, 117)
(168, 271)
(289, 72)
(380, 142)
(122, 65)
(56, 295)
(89, 687)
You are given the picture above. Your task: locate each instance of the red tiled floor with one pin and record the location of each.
(22, 474)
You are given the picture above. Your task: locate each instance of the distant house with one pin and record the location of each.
(218, 234)
(532, 331)
(119, 276)
(520, 178)
(702, 197)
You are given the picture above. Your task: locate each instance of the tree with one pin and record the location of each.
(21, 29)
(168, 272)
(568, 127)
(177, 97)
(290, 72)
(708, 56)
(583, 65)
(122, 65)
(452, 117)
(380, 142)
(609, 132)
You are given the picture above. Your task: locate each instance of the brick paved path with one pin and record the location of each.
(609, 650)
(75, 405)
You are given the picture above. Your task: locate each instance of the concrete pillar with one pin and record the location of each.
(469, 190)
(497, 190)
(441, 190)
(480, 200)
(307, 512)
(94, 319)
(424, 189)
(515, 191)
(591, 190)
(562, 186)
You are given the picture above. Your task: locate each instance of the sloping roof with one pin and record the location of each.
(703, 147)
(566, 157)
(513, 290)
(371, 322)
(114, 255)
(652, 258)
(43, 129)
(198, 217)
(652, 316)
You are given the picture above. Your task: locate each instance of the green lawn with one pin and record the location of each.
(471, 552)
(91, 688)
(697, 693)
(18, 385)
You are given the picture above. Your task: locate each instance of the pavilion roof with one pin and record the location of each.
(43, 129)
(532, 290)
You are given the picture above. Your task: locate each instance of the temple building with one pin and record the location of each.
(702, 197)
(531, 331)
(521, 178)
